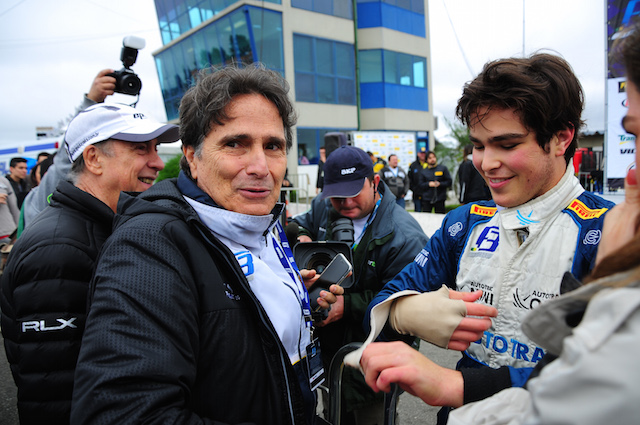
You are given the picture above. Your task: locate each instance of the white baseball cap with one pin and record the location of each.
(105, 121)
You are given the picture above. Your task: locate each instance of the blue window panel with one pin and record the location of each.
(324, 56)
(346, 92)
(394, 96)
(178, 17)
(339, 8)
(404, 97)
(326, 89)
(345, 60)
(370, 66)
(302, 4)
(305, 87)
(234, 36)
(372, 15)
(372, 95)
(303, 53)
(369, 15)
(323, 6)
(325, 69)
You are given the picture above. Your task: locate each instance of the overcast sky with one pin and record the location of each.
(51, 51)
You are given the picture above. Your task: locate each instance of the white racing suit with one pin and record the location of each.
(517, 257)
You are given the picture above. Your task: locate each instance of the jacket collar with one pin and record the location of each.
(545, 206)
(190, 189)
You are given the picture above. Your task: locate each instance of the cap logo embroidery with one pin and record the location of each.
(138, 115)
(346, 171)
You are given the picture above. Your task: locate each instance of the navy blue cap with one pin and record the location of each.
(345, 172)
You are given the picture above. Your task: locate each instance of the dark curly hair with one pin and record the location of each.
(541, 89)
(205, 104)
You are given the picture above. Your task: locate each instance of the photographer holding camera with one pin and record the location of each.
(385, 239)
(106, 83)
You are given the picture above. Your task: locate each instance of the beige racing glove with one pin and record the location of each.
(430, 316)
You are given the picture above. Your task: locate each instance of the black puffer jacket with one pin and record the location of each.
(175, 334)
(44, 300)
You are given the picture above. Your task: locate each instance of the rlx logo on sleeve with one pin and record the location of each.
(41, 325)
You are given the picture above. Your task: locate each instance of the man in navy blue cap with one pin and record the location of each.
(386, 238)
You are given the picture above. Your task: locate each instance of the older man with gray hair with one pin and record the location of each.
(213, 320)
(46, 281)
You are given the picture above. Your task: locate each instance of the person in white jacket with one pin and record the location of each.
(591, 375)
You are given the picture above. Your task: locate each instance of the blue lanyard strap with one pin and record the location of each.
(371, 217)
(289, 263)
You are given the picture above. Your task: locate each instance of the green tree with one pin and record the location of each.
(171, 168)
(451, 152)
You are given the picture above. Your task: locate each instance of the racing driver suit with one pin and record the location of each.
(517, 257)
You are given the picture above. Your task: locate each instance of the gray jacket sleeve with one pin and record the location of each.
(38, 198)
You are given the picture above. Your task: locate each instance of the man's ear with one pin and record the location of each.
(189, 153)
(563, 139)
(93, 159)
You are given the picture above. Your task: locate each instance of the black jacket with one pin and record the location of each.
(44, 300)
(414, 178)
(175, 334)
(438, 173)
(472, 185)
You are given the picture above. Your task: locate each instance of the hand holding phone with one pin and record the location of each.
(335, 272)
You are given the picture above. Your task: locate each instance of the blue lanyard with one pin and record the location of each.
(364, 229)
(289, 263)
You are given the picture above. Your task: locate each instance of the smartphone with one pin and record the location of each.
(335, 272)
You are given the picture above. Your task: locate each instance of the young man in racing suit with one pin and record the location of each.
(523, 116)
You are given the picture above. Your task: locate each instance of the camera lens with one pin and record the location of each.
(319, 261)
(343, 230)
(130, 84)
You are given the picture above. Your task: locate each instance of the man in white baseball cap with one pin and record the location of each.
(44, 287)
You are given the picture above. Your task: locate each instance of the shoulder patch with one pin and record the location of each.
(585, 212)
(485, 211)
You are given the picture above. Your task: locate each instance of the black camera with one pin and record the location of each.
(317, 255)
(127, 82)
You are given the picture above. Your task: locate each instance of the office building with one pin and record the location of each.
(353, 65)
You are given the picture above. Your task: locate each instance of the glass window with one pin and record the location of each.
(318, 65)
(214, 54)
(405, 69)
(339, 8)
(343, 9)
(324, 56)
(344, 60)
(183, 15)
(370, 62)
(302, 4)
(267, 34)
(326, 89)
(303, 53)
(390, 67)
(194, 17)
(241, 39)
(323, 6)
(419, 72)
(399, 68)
(227, 39)
(305, 88)
(346, 92)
